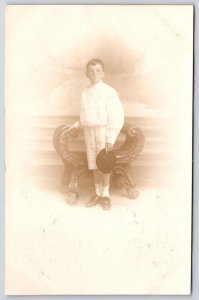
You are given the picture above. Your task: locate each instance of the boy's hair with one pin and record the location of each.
(94, 62)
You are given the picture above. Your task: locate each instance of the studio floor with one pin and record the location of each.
(140, 246)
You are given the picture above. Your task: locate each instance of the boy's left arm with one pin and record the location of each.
(115, 120)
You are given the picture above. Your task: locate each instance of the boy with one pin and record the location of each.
(102, 118)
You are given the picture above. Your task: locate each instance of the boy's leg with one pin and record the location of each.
(100, 135)
(97, 176)
(98, 182)
(105, 202)
(98, 189)
(89, 134)
(105, 185)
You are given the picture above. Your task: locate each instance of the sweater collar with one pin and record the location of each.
(96, 85)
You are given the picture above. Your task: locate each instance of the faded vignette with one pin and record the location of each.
(140, 246)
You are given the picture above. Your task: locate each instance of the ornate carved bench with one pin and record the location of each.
(75, 162)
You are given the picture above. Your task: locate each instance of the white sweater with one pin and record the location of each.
(100, 105)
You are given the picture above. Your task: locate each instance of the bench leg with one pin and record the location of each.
(122, 179)
(66, 177)
(72, 194)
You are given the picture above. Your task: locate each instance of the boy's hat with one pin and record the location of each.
(106, 161)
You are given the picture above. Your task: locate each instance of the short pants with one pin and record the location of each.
(95, 141)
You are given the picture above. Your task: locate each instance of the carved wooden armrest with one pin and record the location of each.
(62, 139)
(132, 146)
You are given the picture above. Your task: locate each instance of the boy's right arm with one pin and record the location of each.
(77, 124)
(72, 126)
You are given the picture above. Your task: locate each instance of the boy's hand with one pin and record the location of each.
(109, 147)
(68, 127)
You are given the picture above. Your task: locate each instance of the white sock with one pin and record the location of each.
(98, 189)
(105, 191)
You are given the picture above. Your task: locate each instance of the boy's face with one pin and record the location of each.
(95, 73)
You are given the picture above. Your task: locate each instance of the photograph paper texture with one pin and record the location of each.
(54, 244)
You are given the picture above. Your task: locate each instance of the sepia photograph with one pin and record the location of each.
(98, 149)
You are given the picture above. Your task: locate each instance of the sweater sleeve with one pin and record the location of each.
(115, 116)
(78, 124)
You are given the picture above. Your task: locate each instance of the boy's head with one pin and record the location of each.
(95, 70)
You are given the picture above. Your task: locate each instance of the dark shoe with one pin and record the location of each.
(105, 203)
(94, 201)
